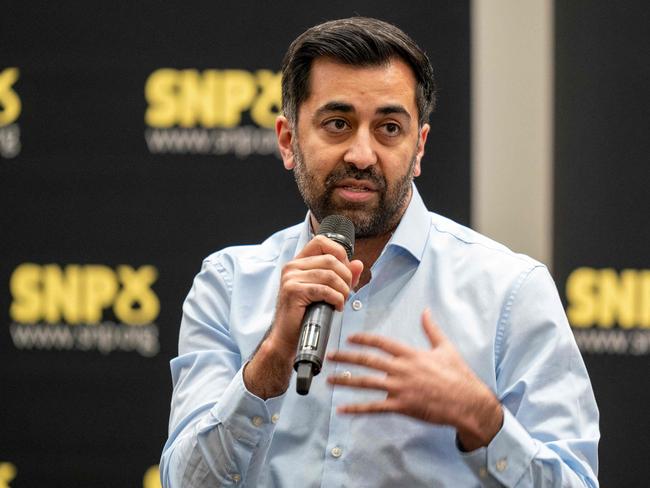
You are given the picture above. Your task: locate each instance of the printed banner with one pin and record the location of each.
(602, 264)
(134, 141)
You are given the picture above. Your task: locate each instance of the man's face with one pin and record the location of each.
(357, 145)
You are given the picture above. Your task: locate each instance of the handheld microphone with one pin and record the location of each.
(316, 323)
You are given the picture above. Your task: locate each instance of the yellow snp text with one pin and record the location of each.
(605, 297)
(212, 98)
(79, 294)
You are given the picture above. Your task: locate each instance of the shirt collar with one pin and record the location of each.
(411, 234)
(306, 234)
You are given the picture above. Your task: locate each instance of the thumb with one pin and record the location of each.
(435, 335)
(356, 267)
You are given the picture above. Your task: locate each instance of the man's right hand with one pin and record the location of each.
(320, 272)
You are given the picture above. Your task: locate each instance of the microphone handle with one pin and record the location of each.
(314, 334)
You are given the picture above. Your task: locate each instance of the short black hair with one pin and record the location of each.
(358, 41)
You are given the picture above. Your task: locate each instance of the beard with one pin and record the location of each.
(370, 219)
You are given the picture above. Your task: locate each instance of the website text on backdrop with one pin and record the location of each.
(451, 360)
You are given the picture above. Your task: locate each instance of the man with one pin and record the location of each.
(495, 394)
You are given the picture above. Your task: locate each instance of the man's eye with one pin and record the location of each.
(391, 129)
(336, 125)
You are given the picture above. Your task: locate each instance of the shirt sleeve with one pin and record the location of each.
(219, 432)
(550, 433)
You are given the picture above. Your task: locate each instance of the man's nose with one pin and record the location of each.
(361, 151)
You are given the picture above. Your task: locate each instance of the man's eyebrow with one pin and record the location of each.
(343, 107)
(392, 109)
(334, 107)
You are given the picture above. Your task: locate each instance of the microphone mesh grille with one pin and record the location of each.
(338, 224)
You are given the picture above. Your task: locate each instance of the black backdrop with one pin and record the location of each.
(106, 212)
(602, 209)
(123, 162)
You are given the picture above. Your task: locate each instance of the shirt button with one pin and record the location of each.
(336, 452)
(257, 421)
(235, 477)
(346, 374)
(482, 472)
(275, 418)
(502, 464)
(357, 305)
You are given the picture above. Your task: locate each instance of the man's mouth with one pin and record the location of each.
(356, 191)
(356, 185)
(359, 189)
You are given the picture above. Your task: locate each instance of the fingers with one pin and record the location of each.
(383, 406)
(432, 331)
(321, 271)
(322, 245)
(316, 278)
(324, 261)
(367, 382)
(388, 345)
(356, 267)
(435, 335)
(324, 277)
(302, 294)
(362, 359)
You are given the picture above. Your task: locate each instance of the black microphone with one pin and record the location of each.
(316, 323)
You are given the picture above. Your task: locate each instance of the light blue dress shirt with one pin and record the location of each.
(500, 309)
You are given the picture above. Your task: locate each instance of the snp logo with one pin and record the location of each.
(610, 310)
(213, 98)
(605, 297)
(70, 308)
(79, 294)
(212, 112)
(10, 107)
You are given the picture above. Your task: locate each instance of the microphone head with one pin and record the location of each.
(339, 229)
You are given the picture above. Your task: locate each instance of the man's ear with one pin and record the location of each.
(422, 140)
(284, 133)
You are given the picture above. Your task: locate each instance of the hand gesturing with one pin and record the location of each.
(435, 385)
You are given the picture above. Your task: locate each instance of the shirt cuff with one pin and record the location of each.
(246, 415)
(506, 458)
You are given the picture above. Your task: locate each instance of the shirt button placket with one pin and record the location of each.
(352, 322)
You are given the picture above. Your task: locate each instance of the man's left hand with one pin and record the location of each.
(435, 385)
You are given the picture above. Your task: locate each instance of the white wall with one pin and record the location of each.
(512, 110)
